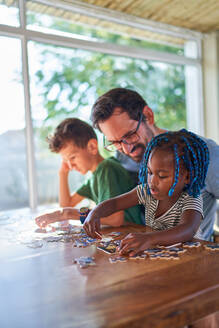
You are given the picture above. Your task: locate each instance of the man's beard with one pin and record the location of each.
(140, 156)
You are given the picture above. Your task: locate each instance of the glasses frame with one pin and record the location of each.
(105, 146)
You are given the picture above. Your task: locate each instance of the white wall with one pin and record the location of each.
(211, 85)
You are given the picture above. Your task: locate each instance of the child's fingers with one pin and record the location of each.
(126, 240)
(135, 251)
(42, 221)
(91, 228)
(128, 246)
(124, 249)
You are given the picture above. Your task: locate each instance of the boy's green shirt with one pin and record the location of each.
(109, 180)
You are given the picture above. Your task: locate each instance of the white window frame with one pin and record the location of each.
(194, 88)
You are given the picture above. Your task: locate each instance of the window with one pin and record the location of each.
(69, 59)
(13, 168)
(9, 13)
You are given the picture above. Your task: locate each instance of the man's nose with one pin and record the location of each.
(126, 148)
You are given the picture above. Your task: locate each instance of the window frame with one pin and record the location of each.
(195, 64)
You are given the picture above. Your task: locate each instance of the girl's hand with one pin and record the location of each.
(135, 243)
(92, 226)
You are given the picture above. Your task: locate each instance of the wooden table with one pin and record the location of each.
(41, 288)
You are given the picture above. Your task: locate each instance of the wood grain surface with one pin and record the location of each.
(42, 288)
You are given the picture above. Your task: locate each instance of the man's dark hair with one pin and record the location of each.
(71, 129)
(127, 100)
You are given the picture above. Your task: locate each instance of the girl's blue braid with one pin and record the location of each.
(171, 191)
(189, 150)
(203, 153)
(200, 147)
(143, 171)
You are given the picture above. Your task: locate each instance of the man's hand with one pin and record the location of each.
(92, 225)
(135, 243)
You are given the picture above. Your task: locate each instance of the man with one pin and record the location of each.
(127, 123)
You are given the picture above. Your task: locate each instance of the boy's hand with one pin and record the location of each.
(135, 243)
(65, 167)
(43, 220)
(92, 226)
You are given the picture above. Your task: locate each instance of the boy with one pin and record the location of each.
(76, 142)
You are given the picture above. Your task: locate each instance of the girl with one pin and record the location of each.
(171, 176)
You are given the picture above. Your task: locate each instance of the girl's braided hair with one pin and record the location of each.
(190, 152)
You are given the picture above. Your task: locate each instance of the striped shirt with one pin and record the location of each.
(172, 216)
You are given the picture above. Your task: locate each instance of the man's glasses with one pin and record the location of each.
(129, 139)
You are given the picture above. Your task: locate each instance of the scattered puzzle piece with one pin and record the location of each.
(176, 250)
(114, 259)
(174, 256)
(138, 257)
(84, 261)
(191, 244)
(211, 247)
(155, 250)
(114, 234)
(52, 239)
(154, 256)
(168, 256)
(40, 230)
(80, 243)
(109, 247)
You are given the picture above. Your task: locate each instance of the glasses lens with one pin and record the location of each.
(132, 138)
(108, 145)
(111, 147)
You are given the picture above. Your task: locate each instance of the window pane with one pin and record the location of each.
(13, 170)
(66, 82)
(9, 12)
(48, 19)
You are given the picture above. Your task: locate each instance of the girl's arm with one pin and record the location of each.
(107, 208)
(184, 231)
(68, 213)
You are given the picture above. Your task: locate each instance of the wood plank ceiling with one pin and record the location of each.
(198, 15)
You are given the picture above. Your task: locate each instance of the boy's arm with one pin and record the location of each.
(184, 231)
(114, 220)
(65, 198)
(107, 208)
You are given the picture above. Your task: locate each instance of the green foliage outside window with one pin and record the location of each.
(81, 76)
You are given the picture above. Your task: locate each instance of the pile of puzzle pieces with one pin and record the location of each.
(109, 244)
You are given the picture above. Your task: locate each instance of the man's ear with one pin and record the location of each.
(92, 146)
(149, 115)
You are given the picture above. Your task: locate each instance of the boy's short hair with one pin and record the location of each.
(71, 129)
